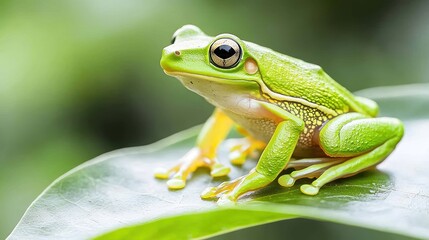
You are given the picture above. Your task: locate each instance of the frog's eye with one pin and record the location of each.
(225, 53)
(173, 39)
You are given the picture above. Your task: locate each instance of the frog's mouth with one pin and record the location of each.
(184, 76)
(216, 88)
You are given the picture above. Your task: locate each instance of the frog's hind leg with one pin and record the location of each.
(367, 141)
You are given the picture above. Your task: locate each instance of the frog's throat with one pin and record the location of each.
(264, 89)
(208, 78)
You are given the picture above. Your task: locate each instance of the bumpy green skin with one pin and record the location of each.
(294, 106)
(293, 77)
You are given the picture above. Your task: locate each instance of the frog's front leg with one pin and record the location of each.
(365, 141)
(273, 160)
(203, 154)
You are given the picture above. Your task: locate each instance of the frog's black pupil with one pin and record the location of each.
(224, 51)
(173, 40)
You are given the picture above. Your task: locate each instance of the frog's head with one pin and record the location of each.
(202, 62)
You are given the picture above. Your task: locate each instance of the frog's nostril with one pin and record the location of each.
(169, 58)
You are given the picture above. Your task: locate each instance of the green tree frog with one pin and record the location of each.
(289, 110)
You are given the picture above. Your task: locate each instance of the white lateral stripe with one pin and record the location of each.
(277, 96)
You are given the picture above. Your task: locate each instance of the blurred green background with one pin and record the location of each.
(81, 77)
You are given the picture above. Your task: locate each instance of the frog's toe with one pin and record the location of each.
(237, 157)
(226, 200)
(176, 183)
(238, 150)
(286, 180)
(309, 189)
(162, 173)
(223, 188)
(219, 170)
(209, 192)
(241, 148)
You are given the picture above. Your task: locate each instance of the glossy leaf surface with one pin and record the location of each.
(117, 192)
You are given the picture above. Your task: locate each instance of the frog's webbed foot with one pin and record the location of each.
(309, 168)
(190, 162)
(224, 188)
(241, 148)
(228, 192)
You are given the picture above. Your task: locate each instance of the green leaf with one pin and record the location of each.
(115, 195)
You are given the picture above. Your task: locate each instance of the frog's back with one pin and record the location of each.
(308, 83)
